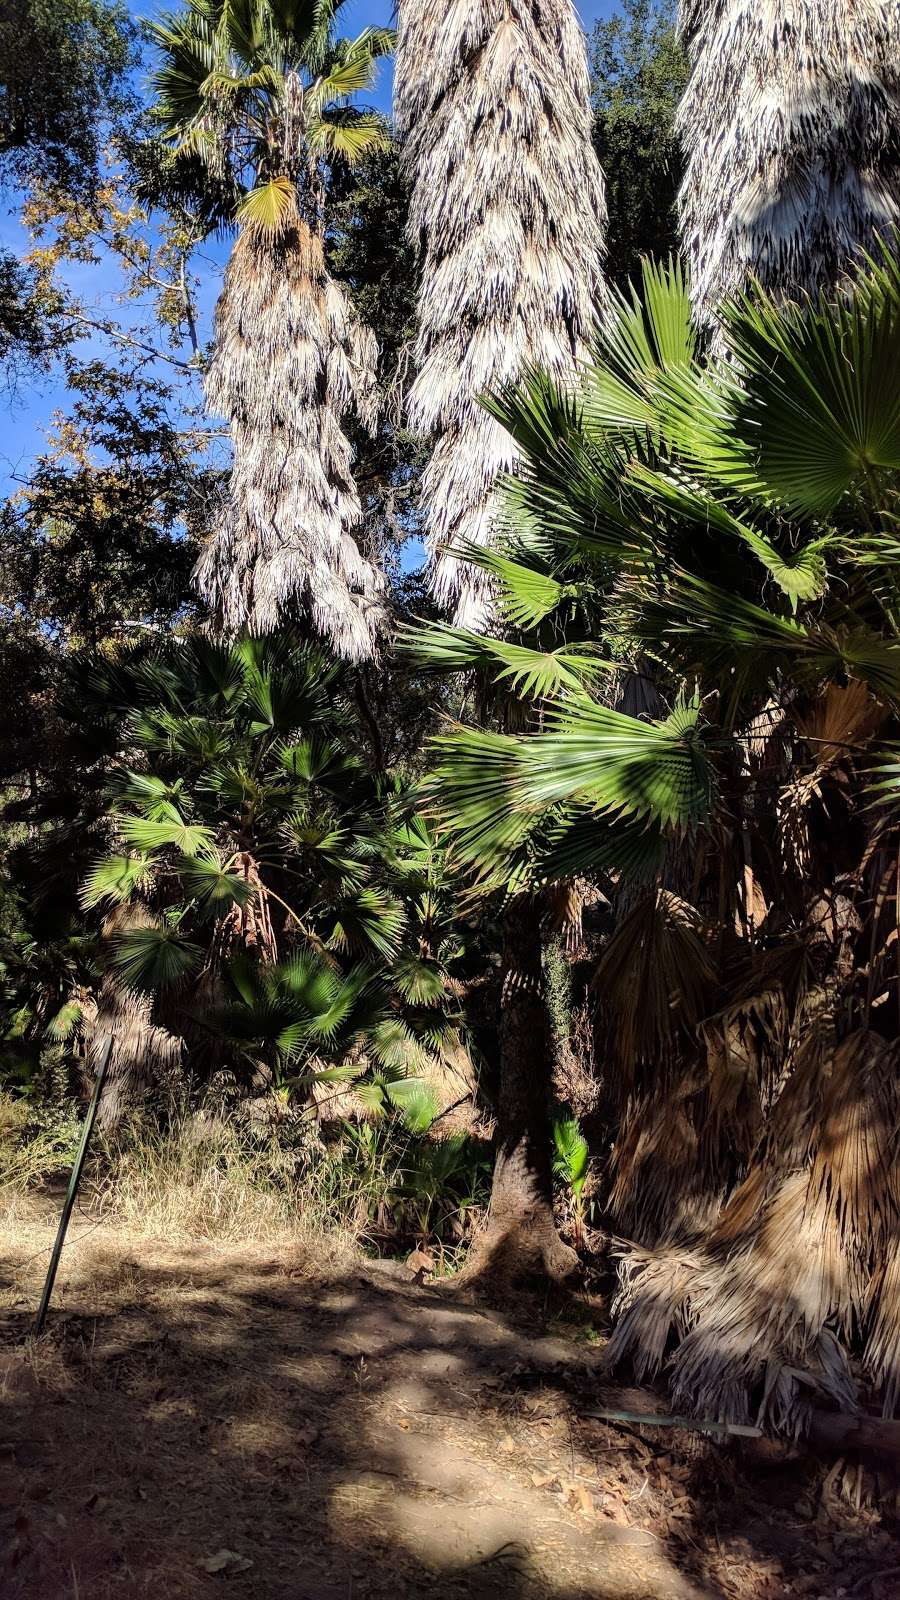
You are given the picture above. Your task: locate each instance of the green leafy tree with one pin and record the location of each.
(62, 80)
(102, 538)
(638, 75)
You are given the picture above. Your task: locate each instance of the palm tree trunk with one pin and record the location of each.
(507, 209)
(521, 1240)
(791, 131)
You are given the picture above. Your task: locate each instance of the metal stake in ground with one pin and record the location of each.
(72, 1190)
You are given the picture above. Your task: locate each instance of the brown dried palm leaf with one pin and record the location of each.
(142, 1051)
(563, 905)
(653, 1304)
(761, 1345)
(854, 1148)
(789, 124)
(882, 1349)
(492, 103)
(290, 362)
(841, 721)
(654, 980)
(664, 1184)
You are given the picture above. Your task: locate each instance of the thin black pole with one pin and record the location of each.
(72, 1190)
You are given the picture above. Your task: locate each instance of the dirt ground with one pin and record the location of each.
(198, 1422)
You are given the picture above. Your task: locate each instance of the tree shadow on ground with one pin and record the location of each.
(323, 1440)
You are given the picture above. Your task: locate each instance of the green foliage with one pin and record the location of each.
(677, 509)
(638, 72)
(102, 540)
(223, 91)
(571, 1160)
(62, 75)
(286, 912)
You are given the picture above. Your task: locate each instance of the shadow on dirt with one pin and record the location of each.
(206, 1423)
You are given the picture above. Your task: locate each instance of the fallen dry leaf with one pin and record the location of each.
(579, 1497)
(224, 1560)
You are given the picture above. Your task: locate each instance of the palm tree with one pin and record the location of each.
(508, 209)
(791, 129)
(263, 896)
(255, 94)
(723, 537)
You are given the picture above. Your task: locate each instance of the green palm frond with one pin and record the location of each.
(419, 980)
(349, 135)
(154, 796)
(526, 593)
(801, 574)
(571, 1156)
(494, 789)
(351, 69)
(114, 879)
(414, 1098)
(532, 673)
(395, 1047)
(369, 921)
(584, 842)
(66, 1021)
(884, 778)
(211, 887)
(150, 959)
(191, 839)
(824, 379)
(269, 208)
(641, 337)
(624, 767)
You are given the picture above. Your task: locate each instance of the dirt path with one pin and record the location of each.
(197, 1422)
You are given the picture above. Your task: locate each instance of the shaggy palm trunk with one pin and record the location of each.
(141, 1052)
(492, 102)
(521, 1240)
(290, 361)
(791, 130)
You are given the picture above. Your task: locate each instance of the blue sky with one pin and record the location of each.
(29, 410)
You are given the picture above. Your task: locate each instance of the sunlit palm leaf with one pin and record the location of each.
(154, 958)
(269, 208)
(115, 879)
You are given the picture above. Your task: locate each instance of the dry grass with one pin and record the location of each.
(206, 1179)
(201, 1183)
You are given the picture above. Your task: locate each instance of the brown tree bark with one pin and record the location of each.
(520, 1240)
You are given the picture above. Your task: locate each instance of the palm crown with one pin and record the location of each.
(723, 534)
(259, 91)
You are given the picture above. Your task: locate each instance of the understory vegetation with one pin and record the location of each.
(529, 909)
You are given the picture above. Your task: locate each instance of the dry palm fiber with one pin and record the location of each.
(664, 1183)
(290, 362)
(142, 1052)
(653, 982)
(791, 129)
(652, 1303)
(804, 1252)
(492, 102)
(764, 1338)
